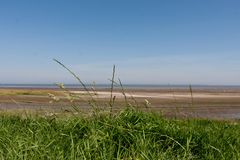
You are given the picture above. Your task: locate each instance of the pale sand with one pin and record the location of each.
(104, 94)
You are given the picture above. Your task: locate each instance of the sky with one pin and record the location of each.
(149, 41)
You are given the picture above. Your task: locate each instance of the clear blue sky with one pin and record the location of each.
(150, 42)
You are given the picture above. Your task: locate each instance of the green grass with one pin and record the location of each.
(129, 134)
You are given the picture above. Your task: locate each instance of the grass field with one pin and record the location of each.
(129, 134)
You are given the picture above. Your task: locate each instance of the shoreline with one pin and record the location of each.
(207, 103)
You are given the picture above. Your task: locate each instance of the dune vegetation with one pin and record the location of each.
(128, 134)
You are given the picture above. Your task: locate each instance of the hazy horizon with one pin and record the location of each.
(150, 42)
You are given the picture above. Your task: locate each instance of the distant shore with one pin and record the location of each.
(128, 86)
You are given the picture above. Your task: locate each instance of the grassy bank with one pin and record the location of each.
(129, 134)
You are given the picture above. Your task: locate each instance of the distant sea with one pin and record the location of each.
(129, 86)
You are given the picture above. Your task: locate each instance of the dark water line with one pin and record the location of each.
(130, 86)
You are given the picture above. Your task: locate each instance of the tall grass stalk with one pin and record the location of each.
(191, 92)
(92, 101)
(112, 99)
(192, 102)
(123, 91)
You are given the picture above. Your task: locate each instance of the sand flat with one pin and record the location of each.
(204, 103)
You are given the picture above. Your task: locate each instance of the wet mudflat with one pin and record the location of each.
(200, 103)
